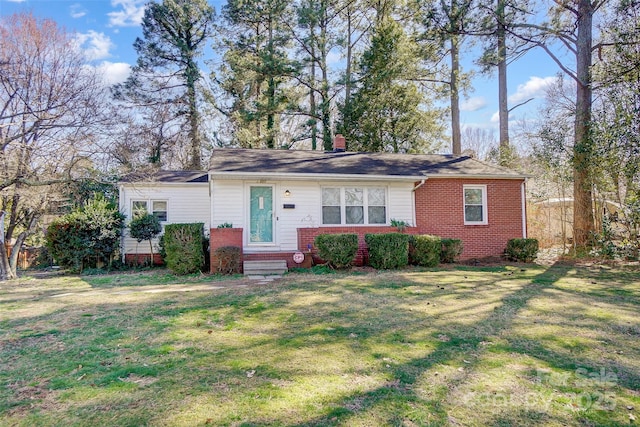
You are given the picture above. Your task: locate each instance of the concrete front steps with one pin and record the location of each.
(264, 268)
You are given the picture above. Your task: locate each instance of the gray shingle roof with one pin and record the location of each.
(305, 162)
(238, 161)
(167, 176)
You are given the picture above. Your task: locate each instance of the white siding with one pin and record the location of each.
(186, 203)
(230, 204)
(227, 203)
(401, 202)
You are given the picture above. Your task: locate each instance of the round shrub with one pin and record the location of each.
(86, 236)
(387, 251)
(451, 250)
(424, 250)
(524, 250)
(338, 250)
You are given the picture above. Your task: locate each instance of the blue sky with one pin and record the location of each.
(107, 29)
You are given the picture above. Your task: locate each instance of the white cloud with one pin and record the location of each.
(495, 118)
(95, 45)
(473, 104)
(77, 11)
(533, 88)
(114, 72)
(129, 16)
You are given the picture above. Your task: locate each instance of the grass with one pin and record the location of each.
(492, 346)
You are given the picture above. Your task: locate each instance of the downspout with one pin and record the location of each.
(419, 185)
(413, 201)
(523, 196)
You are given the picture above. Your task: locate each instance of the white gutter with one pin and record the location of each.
(315, 176)
(475, 176)
(350, 177)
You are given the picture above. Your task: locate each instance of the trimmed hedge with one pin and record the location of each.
(183, 246)
(451, 250)
(338, 250)
(387, 251)
(524, 250)
(229, 259)
(424, 250)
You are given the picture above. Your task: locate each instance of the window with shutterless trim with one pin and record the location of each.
(158, 208)
(475, 204)
(354, 205)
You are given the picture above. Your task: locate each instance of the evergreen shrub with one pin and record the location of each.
(424, 250)
(338, 250)
(451, 250)
(87, 236)
(388, 250)
(184, 247)
(524, 250)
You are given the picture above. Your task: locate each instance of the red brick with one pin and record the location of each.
(440, 211)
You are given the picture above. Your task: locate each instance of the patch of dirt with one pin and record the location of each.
(28, 397)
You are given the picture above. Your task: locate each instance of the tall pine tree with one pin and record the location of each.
(174, 34)
(256, 69)
(388, 111)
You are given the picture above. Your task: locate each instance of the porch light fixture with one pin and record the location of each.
(287, 193)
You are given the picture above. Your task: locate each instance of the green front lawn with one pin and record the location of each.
(501, 346)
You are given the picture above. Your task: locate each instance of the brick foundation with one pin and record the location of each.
(141, 259)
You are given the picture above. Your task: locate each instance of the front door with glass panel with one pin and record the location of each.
(261, 215)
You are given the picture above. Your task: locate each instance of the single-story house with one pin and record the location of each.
(277, 201)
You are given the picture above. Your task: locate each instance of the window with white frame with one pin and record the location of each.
(158, 208)
(354, 205)
(475, 204)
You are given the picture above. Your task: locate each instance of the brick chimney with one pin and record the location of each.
(339, 143)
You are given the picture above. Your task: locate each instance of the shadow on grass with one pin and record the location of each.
(469, 339)
(191, 350)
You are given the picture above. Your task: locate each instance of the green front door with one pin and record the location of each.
(261, 215)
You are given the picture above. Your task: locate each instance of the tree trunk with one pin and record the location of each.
(503, 106)
(312, 101)
(455, 97)
(194, 134)
(271, 91)
(6, 273)
(347, 72)
(583, 221)
(327, 140)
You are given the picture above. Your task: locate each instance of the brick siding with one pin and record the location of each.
(140, 259)
(440, 211)
(220, 237)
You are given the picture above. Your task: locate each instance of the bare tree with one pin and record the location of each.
(478, 142)
(48, 100)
